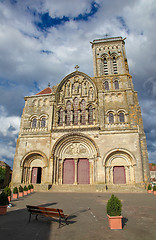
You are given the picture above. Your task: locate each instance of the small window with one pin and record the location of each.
(105, 66)
(116, 84)
(83, 112)
(43, 122)
(106, 84)
(34, 123)
(115, 65)
(121, 117)
(111, 118)
(60, 117)
(90, 115)
(68, 113)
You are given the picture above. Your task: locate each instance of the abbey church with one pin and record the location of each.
(85, 130)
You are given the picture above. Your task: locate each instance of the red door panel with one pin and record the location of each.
(119, 175)
(83, 171)
(68, 171)
(34, 175)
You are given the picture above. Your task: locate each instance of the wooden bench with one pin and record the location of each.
(47, 212)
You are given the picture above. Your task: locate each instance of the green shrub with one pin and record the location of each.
(7, 191)
(3, 199)
(15, 190)
(29, 187)
(154, 188)
(2, 174)
(20, 188)
(149, 187)
(114, 206)
(32, 186)
(25, 188)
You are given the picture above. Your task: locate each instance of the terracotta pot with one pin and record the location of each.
(15, 196)
(154, 192)
(32, 190)
(115, 222)
(3, 210)
(149, 191)
(9, 198)
(29, 191)
(25, 193)
(20, 194)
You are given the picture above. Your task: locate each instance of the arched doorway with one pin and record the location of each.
(74, 158)
(119, 167)
(33, 168)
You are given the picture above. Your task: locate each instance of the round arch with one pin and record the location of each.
(74, 148)
(119, 167)
(33, 166)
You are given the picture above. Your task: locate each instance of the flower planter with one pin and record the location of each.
(3, 210)
(29, 191)
(154, 192)
(20, 194)
(115, 222)
(32, 190)
(149, 191)
(15, 196)
(25, 193)
(9, 198)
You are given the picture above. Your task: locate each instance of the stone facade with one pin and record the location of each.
(85, 130)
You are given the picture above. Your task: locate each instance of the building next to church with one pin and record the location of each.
(85, 130)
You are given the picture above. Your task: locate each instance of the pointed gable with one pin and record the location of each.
(45, 91)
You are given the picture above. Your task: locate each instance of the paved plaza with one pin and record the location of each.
(87, 220)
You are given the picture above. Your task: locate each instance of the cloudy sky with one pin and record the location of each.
(42, 40)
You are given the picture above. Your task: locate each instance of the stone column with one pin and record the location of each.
(76, 169)
(91, 171)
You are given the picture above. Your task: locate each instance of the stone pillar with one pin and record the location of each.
(76, 169)
(91, 171)
(111, 175)
(60, 171)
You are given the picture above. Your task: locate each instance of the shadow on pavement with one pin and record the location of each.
(124, 221)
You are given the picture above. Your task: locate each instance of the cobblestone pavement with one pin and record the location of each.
(87, 220)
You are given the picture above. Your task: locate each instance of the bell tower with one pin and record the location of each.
(109, 57)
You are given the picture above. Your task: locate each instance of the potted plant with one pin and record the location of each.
(7, 191)
(15, 193)
(25, 189)
(3, 203)
(154, 190)
(114, 208)
(32, 188)
(149, 188)
(20, 191)
(29, 189)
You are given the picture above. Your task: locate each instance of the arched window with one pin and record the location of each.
(60, 117)
(105, 66)
(116, 84)
(75, 111)
(83, 112)
(90, 115)
(114, 66)
(121, 117)
(43, 122)
(34, 123)
(111, 118)
(106, 85)
(68, 113)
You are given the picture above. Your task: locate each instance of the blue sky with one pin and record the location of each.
(42, 40)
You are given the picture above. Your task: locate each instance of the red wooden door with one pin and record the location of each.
(119, 175)
(68, 171)
(83, 171)
(34, 175)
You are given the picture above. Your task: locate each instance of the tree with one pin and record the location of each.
(2, 174)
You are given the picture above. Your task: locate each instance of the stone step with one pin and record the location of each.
(79, 188)
(97, 188)
(125, 188)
